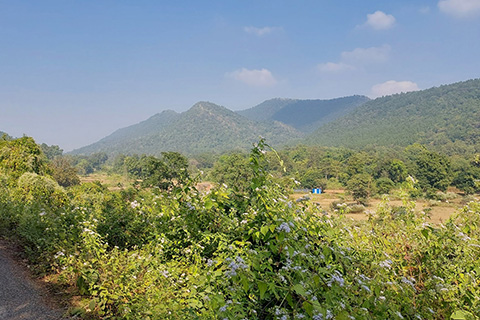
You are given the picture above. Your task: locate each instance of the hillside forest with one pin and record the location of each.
(150, 241)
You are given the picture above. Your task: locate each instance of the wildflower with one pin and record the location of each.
(211, 262)
(283, 227)
(329, 314)
(235, 265)
(336, 277)
(410, 283)
(134, 204)
(399, 315)
(386, 264)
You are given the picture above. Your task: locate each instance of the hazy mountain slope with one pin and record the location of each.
(265, 110)
(6, 135)
(205, 127)
(304, 115)
(308, 115)
(439, 116)
(129, 138)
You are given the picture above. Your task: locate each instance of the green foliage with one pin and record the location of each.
(51, 152)
(63, 172)
(165, 173)
(185, 254)
(384, 185)
(314, 179)
(205, 127)
(234, 171)
(432, 170)
(37, 189)
(22, 155)
(361, 186)
(445, 117)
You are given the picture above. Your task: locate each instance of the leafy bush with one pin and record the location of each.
(214, 256)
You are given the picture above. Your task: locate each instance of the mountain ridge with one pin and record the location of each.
(444, 115)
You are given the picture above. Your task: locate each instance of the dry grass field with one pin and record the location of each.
(439, 211)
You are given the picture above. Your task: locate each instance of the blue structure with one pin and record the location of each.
(317, 190)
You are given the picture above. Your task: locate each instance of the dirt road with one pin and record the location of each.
(20, 297)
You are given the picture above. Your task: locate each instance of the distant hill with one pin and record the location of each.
(205, 127)
(303, 115)
(4, 133)
(446, 116)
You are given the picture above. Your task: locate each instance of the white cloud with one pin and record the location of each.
(254, 78)
(367, 55)
(379, 20)
(261, 31)
(460, 8)
(335, 67)
(357, 58)
(392, 87)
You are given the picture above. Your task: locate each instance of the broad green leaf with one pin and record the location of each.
(308, 307)
(462, 315)
(264, 230)
(262, 286)
(299, 289)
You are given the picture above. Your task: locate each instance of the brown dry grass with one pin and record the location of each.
(439, 211)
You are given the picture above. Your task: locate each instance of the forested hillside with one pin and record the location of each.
(205, 127)
(4, 134)
(304, 115)
(446, 116)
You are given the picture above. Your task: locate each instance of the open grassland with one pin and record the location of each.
(438, 211)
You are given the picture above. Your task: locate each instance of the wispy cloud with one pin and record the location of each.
(357, 58)
(392, 87)
(379, 20)
(335, 67)
(460, 8)
(254, 78)
(367, 55)
(260, 32)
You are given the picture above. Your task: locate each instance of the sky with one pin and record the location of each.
(72, 72)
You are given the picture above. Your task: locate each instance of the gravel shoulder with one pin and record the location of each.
(21, 297)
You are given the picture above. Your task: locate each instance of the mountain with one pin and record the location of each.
(265, 110)
(303, 115)
(5, 134)
(446, 116)
(205, 127)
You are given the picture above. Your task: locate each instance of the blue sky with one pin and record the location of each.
(72, 72)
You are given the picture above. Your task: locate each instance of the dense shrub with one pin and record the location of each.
(184, 254)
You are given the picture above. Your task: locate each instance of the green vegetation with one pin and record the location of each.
(249, 252)
(205, 127)
(445, 117)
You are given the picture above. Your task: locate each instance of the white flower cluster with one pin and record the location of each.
(134, 204)
(409, 282)
(320, 316)
(338, 278)
(285, 227)
(387, 264)
(235, 265)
